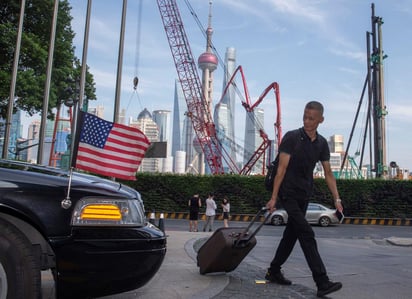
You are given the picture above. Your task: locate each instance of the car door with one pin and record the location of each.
(313, 213)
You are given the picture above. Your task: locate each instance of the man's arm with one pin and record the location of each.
(331, 182)
(284, 159)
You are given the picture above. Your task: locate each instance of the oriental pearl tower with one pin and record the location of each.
(207, 63)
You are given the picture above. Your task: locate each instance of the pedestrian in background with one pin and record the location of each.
(226, 211)
(194, 205)
(210, 212)
(299, 152)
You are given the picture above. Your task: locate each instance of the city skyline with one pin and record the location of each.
(309, 47)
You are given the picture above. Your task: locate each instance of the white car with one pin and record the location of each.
(315, 214)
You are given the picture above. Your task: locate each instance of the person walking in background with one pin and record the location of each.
(226, 211)
(210, 212)
(299, 152)
(194, 205)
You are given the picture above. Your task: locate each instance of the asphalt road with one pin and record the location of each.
(344, 231)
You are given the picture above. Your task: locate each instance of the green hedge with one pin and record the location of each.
(361, 198)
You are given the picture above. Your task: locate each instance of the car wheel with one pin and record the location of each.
(277, 220)
(19, 273)
(324, 221)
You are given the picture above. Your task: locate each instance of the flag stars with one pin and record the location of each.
(95, 131)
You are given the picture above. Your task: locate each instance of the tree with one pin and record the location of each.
(35, 43)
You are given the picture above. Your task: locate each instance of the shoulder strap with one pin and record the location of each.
(298, 139)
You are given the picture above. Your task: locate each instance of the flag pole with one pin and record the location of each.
(78, 106)
(13, 82)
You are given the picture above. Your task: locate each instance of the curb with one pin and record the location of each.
(248, 218)
(378, 221)
(400, 241)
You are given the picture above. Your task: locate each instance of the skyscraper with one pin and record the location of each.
(254, 121)
(146, 124)
(224, 114)
(188, 136)
(183, 134)
(162, 119)
(179, 109)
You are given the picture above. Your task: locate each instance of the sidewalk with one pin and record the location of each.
(179, 278)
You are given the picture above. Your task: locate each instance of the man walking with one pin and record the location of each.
(299, 152)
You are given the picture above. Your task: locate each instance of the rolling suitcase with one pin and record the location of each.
(227, 247)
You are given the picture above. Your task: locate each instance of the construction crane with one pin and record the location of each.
(250, 107)
(198, 109)
(191, 85)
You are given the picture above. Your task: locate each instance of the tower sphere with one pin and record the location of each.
(208, 61)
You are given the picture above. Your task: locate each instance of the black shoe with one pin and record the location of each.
(328, 287)
(277, 277)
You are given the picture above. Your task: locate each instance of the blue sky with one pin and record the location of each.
(314, 49)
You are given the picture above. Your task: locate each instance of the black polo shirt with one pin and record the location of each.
(298, 180)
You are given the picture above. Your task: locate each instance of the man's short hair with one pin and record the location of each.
(315, 105)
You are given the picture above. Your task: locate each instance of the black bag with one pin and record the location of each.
(271, 173)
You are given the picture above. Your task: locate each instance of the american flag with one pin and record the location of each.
(108, 148)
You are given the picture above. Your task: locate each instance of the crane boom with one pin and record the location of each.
(191, 85)
(249, 107)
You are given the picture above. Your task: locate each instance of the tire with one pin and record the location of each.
(324, 221)
(277, 220)
(20, 275)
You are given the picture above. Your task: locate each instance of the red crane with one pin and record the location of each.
(191, 85)
(198, 110)
(249, 107)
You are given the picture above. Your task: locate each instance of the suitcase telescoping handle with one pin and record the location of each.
(241, 240)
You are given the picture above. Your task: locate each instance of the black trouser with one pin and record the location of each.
(297, 228)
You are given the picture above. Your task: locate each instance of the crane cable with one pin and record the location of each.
(137, 57)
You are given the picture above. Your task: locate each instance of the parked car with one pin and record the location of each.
(315, 214)
(92, 234)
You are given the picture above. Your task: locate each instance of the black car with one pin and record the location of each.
(91, 232)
